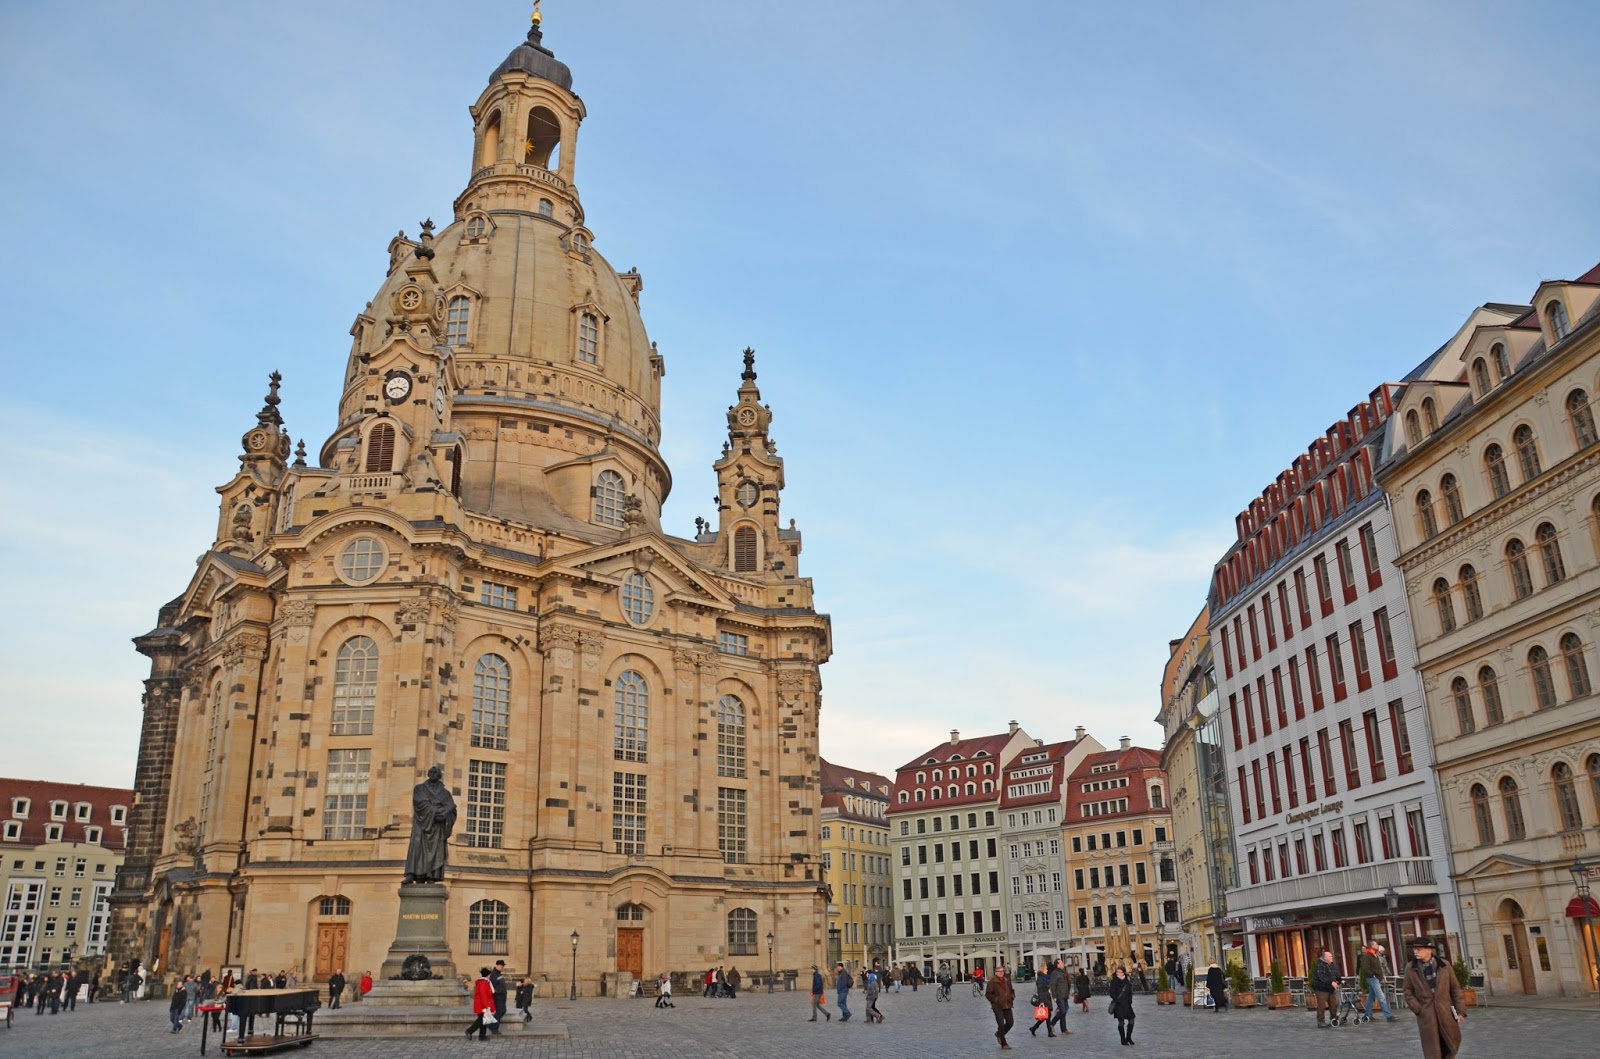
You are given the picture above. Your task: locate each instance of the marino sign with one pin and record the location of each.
(1329, 807)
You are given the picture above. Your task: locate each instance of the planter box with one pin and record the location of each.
(1166, 997)
(1188, 998)
(1244, 1000)
(1280, 1001)
(1469, 998)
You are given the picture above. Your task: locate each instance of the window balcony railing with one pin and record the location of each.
(371, 483)
(1349, 884)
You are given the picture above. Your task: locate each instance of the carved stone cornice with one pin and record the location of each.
(558, 636)
(297, 613)
(244, 646)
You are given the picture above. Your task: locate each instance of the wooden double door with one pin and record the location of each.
(630, 951)
(333, 945)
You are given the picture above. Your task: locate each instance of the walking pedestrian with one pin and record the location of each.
(497, 982)
(1060, 994)
(1001, 997)
(1434, 996)
(1325, 989)
(734, 978)
(335, 988)
(524, 998)
(482, 1006)
(366, 985)
(664, 993)
(1370, 973)
(1217, 986)
(818, 995)
(873, 988)
(1080, 989)
(842, 984)
(175, 1009)
(710, 982)
(1120, 989)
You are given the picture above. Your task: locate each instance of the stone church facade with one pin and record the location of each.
(472, 573)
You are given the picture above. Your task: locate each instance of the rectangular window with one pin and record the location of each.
(1319, 852)
(1294, 688)
(1283, 610)
(1077, 878)
(926, 928)
(1306, 770)
(486, 803)
(1227, 657)
(1255, 874)
(1238, 643)
(733, 643)
(1300, 856)
(1358, 656)
(344, 805)
(1402, 736)
(1267, 867)
(1233, 717)
(1249, 716)
(1380, 625)
(628, 802)
(1288, 777)
(1388, 837)
(1336, 667)
(1261, 698)
(1417, 832)
(1255, 637)
(1347, 571)
(1339, 854)
(1352, 764)
(496, 595)
(1266, 618)
(1301, 600)
(1277, 696)
(1272, 781)
(1369, 556)
(1324, 584)
(1325, 753)
(1255, 780)
(944, 921)
(1363, 843)
(1380, 770)
(1314, 677)
(1244, 796)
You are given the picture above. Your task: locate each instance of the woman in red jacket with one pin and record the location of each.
(482, 1004)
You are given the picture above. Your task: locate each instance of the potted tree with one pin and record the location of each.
(1164, 993)
(1188, 992)
(1278, 996)
(1469, 996)
(1244, 996)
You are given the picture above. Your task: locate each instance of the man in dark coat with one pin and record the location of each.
(817, 995)
(497, 982)
(1324, 988)
(433, 818)
(335, 988)
(1434, 996)
(1217, 986)
(1001, 999)
(1060, 994)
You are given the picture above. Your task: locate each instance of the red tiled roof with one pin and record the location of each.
(40, 793)
(1590, 277)
(836, 785)
(1054, 754)
(961, 753)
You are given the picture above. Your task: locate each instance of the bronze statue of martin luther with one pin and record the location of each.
(433, 818)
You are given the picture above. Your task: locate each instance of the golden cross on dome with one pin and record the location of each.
(537, 16)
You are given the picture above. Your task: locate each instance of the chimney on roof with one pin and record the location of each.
(1126, 742)
(1078, 732)
(955, 736)
(1013, 726)
(1038, 742)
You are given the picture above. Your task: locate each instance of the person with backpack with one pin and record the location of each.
(842, 984)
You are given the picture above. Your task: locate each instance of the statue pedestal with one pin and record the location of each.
(420, 929)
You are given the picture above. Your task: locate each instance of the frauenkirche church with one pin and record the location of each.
(471, 572)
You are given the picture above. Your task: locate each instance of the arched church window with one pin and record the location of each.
(355, 686)
(1556, 313)
(547, 208)
(730, 736)
(1582, 416)
(608, 496)
(1480, 376)
(631, 732)
(1494, 463)
(458, 313)
(488, 928)
(491, 141)
(1502, 363)
(744, 549)
(380, 449)
(588, 337)
(476, 226)
(491, 702)
(1527, 451)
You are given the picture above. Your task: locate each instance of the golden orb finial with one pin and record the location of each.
(538, 17)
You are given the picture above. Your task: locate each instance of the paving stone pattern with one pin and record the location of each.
(758, 1026)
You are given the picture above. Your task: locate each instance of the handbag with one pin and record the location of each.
(1041, 1012)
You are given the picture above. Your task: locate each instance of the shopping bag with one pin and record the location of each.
(489, 1019)
(1041, 1012)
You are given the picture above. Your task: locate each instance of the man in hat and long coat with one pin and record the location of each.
(1434, 996)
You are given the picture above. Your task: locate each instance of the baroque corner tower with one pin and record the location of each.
(473, 573)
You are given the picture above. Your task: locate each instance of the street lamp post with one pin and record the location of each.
(1580, 878)
(770, 970)
(574, 994)
(1391, 900)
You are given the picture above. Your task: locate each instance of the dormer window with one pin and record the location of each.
(1555, 315)
(608, 496)
(476, 226)
(91, 835)
(1502, 363)
(1480, 376)
(589, 338)
(83, 810)
(580, 243)
(19, 807)
(547, 208)
(1430, 418)
(58, 810)
(52, 833)
(119, 815)
(13, 831)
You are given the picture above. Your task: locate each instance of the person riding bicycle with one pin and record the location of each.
(945, 982)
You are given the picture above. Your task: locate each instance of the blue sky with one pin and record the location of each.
(1043, 293)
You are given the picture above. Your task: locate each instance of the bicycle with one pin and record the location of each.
(944, 992)
(977, 987)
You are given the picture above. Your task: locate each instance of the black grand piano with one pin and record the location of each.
(287, 1011)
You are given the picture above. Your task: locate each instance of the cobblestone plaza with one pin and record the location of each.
(757, 1026)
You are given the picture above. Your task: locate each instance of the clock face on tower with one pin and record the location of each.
(747, 493)
(397, 386)
(438, 402)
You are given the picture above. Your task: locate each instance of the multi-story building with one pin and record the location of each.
(1117, 839)
(1033, 807)
(1334, 800)
(1494, 478)
(471, 572)
(855, 864)
(60, 845)
(944, 836)
(1197, 789)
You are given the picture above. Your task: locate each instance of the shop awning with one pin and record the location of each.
(1580, 906)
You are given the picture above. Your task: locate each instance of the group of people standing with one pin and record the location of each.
(54, 992)
(720, 983)
(489, 995)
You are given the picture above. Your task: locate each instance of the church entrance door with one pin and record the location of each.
(630, 951)
(333, 942)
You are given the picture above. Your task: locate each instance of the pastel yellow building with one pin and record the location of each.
(855, 860)
(471, 571)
